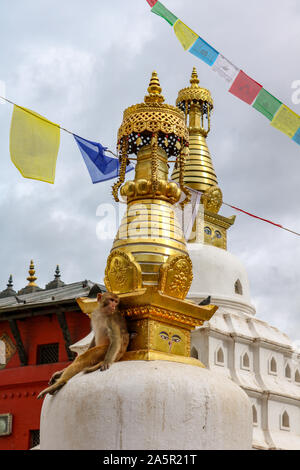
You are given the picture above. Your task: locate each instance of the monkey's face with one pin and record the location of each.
(109, 303)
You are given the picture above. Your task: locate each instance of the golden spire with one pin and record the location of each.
(154, 91)
(194, 81)
(31, 278)
(197, 104)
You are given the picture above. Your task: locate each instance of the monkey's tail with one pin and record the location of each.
(53, 389)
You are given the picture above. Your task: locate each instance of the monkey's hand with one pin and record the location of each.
(105, 365)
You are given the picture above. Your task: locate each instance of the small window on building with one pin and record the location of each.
(219, 359)
(273, 366)
(34, 438)
(285, 421)
(47, 353)
(297, 376)
(194, 353)
(254, 415)
(245, 362)
(5, 424)
(238, 289)
(288, 372)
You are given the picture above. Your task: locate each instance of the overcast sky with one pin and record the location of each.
(81, 64)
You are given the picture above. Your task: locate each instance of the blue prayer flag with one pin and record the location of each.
(100, 166)
(204, 51)
(296, 137)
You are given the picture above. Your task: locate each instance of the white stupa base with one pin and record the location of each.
(147, 405)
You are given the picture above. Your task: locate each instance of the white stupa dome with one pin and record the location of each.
(221, 275)
(147, 405)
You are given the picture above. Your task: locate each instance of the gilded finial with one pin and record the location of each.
(31, 278)
(154, 91)
(194, 81)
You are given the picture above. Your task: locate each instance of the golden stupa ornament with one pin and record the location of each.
(149, 266)
(199, 174)
(152, 125)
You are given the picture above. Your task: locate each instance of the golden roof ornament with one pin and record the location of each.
(31, 278)
(31, 286)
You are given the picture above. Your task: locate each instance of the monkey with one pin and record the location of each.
(110, 342)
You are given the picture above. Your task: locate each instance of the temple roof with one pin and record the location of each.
(51, 297)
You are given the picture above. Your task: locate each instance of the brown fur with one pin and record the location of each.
(110, 342)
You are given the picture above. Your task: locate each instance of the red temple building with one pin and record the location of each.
(37, 327)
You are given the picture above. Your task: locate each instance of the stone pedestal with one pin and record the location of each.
(147, 405)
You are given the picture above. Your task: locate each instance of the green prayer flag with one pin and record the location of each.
(160, 10)
(266, 104)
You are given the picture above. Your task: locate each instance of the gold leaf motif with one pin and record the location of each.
(176, 276)
(122, 273)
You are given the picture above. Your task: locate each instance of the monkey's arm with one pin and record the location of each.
(114, 335)
(92, 343)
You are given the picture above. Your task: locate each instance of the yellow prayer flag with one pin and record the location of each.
(286, 121)
(34, 144)
(186, 36)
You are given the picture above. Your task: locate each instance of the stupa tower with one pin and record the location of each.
(199, 174)
(197, 105)
(149, 266)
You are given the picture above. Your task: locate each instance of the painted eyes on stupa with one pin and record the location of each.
(208, 231)
(175, 338)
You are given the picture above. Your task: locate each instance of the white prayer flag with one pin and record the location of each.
(225, 68)
(187, 216)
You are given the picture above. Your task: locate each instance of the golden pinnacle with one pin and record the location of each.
(194, 81)
(154, 91)
(31, 278)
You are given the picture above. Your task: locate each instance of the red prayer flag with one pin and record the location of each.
(152, 2)
(245, 88)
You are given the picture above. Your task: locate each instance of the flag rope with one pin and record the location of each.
(260, 218)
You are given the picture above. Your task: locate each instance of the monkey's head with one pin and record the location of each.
(108, 302)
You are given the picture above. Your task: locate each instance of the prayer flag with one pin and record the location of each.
(100, 166)
(34, 144)
(160, 10)
(296, 137)
(204, 51)
(286, 121)
(225, 68)
(266, 104)
(245, 88)
(185, 35)
(152, 2)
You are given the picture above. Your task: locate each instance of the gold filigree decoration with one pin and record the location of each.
(153, 118)
(194, 92)
(157, 313)
(122, 273)
(212, 199)
(176, 276)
